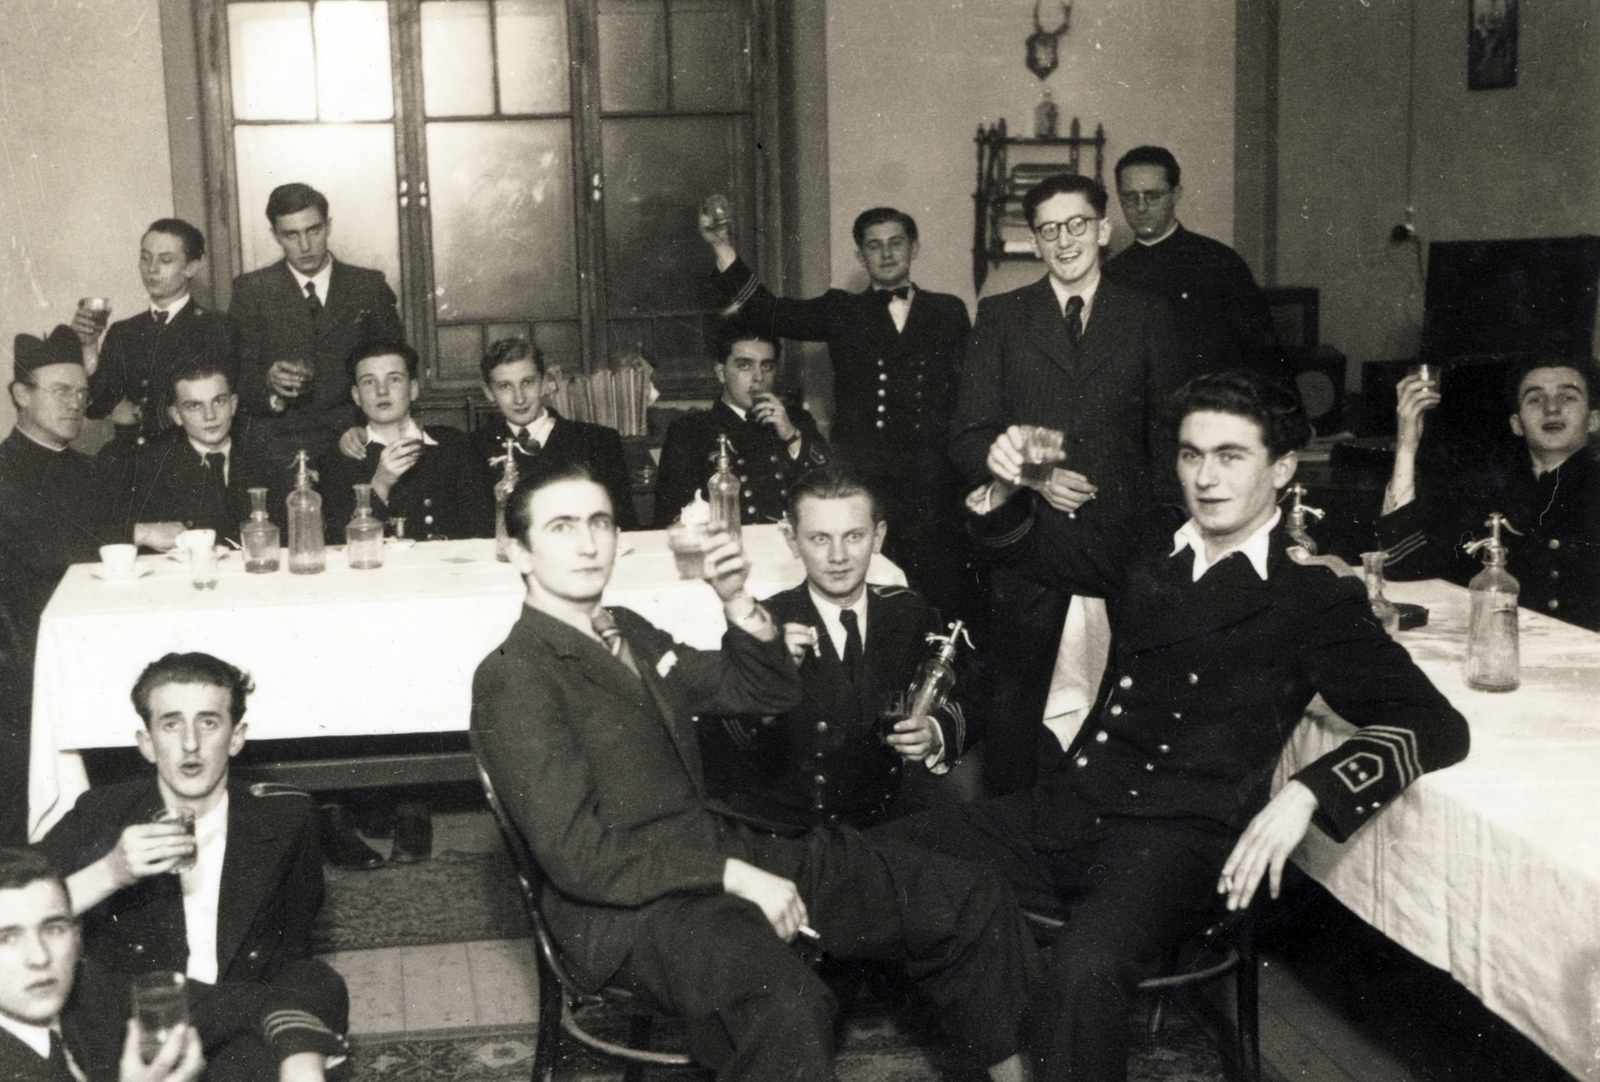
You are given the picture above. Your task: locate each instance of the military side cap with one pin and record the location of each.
(29, 353)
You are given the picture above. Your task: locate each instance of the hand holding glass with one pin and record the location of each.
(689, 542)
(1428, 374)
(160, 1005)
(184, 817)
(893, 708)
(1042, 451)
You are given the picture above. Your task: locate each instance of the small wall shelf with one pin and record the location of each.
(1000, 232)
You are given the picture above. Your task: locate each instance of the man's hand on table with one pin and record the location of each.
(161, 536)
(778, 897)
(1266, 843)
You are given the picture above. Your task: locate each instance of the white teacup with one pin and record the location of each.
(119, 559)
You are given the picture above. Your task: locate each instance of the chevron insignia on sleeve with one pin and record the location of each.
(1359, 771)
(1376, 751)
(747, 291)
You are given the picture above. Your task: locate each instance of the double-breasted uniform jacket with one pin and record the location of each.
(602, 772)
(761, 460)
(1206, 680)
(447, 493)
(139, 357)
(1556, 558)
(595, 446)
(894, 391)
(1220, 316)
(823, 761)
(275, 324)
(171, 483)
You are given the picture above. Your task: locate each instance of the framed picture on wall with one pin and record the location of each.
(1491, 44)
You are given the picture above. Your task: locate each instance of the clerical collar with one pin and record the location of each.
(36, 441)
(1173, 228)
(409, 431)
(1063, 294)
(1256, 547)
(172, 308)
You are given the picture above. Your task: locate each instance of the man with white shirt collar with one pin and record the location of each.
(130, 373)
(774, 438)
(428, 476)
(1087, 356)
(55, 1025)
(825, 761)
(1157, 818)
(229, 903)
(199, 474)
(299, 321)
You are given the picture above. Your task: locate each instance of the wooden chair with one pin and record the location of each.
(1228, 946)
(561, 1001)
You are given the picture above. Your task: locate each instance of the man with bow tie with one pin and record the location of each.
(1093, 359)
(896, 351)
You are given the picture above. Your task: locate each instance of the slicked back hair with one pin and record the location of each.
(193, 668)
(22, 867)
(507, 351)
(877, 216)
(384, 349)
(1149, 155)
(1271, 404)
(292, 199)
(202, 368)
(830, 482)
(1584, 366)
(732, 332)
(194, 241)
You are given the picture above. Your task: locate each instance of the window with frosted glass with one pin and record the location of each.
(302, 60)
(506, 58)
(681, 56)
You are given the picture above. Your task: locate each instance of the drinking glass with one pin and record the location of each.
(98, 307)
(718, 209)
(688, 542)
(1428, 374)
(184, 817)
(201, 545)
(1041, 452)
(893, 707)
(160, 1005)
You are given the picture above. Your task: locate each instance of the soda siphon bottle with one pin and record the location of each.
(502, 493)
(1494, 661)
(307, 548)
(722, 490)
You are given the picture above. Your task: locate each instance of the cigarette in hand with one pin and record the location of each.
(816, 642)
(809, 932)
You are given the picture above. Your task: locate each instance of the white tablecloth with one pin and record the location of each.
(343, 653)
(1491, 869)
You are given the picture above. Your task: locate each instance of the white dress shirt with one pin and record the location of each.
(537, 429)
(1063, 294)
(408, 431)
(226, 451)
(172, 308)
(1255, 547)
(322, 278)
(830, 610)
(900, 307)
(202, 888)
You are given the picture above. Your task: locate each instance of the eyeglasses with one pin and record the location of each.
(65, 396)
(1143, 199)
(1076, 226)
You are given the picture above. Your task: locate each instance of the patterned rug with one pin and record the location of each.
(454, 898)
(876, 1049)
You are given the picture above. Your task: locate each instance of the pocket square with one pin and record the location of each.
(664, 666)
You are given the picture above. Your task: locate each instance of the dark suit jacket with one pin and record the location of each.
(1105, 392)
(276, 325)
(761, 461)
(448, 493)
(171, 483)
(1219, 314)
(271, 882)
(602, 772)
(894, 391)
(20, 1063)
(138, 359)
(1207, 680)
(595, 446)
(770, 767)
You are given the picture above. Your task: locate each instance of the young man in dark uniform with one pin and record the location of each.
(896, 351)
(774, 440)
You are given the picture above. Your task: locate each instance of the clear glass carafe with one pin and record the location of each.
(1385, 610)
(722, 492)
(260, 536)
(308, 554)
(363, 536)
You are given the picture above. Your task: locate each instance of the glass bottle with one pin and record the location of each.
(307, 548)
(930, 688)
(722, 491)
(363, 536)
(260, 536)
(1494, 662)
(502, 493)
(1045, 115)
(1386, 611)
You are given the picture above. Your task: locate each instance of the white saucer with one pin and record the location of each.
(399, 544)
(118, 580)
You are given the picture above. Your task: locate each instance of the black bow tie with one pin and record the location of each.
(886, 295)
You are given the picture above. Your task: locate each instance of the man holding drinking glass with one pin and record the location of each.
(220, 882)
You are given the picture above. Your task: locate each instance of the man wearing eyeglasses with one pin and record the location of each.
(1219, 313)
(1087, 356)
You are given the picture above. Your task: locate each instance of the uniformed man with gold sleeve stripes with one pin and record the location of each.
(1157, 815)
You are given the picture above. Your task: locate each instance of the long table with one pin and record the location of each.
(1490, 870)
(345, 653)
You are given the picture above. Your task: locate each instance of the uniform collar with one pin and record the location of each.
(172, 309)
(1256, 548)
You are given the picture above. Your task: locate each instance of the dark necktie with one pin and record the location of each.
(1074, 318)
(887, 295)
(216, 462)
(313, 302)
(59, 1065)
(160, 316)
(852, 644)
(605, 625)
(527, 444)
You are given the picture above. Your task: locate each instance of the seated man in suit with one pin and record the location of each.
(430, 476)
(50, 1019)
(774, 440)
(130, 373)
(229, 901)
(299, 321)
(1157, 816)
(199, 473)
(825, 761)
(582, 719)
(1548, 489)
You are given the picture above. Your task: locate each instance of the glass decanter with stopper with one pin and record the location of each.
(1494, 661)
(722, 491)
(260, 536)
(1387, 612)
(308, 553)
(363, 535)
(502, 493)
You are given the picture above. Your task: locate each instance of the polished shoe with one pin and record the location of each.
(413, 834)
(341, 846)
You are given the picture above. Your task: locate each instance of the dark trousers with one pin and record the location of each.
(1025, 621)
(755, 1010)
(1129, 889)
